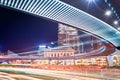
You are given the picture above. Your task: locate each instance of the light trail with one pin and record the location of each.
(7, 76)
(72, 45)
(88, 34)
(65, 75)
(60, 47)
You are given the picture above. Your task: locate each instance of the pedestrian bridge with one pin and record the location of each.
(61, 12)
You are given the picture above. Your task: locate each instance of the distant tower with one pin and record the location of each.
(68, 36)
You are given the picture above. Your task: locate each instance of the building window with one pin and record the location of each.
(61, 54)
(64, 54)
(58, 55)
(51, 55)
(55, 55)
(67, 54)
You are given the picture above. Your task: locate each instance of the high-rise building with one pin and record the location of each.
(68, 36)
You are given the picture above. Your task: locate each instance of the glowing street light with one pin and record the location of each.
(119, 28)
(115, 22)
(42, 46)
(52, 43)
(90, 1)
(108, 13)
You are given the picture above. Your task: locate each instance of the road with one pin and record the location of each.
(49, 74)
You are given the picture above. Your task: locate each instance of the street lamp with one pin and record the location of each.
(90, 1)
(52, 43)
(42, 46)
(115, 22)
(108, 13)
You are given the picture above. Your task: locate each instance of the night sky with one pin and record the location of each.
(21, 31)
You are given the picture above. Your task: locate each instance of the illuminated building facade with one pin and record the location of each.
(81, 42)
(68, 36)
(59, 52)
(111, 60)
(95, 61)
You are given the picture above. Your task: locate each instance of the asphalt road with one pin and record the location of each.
(52, 74)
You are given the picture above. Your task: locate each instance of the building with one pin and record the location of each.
(68, 36)
(59, 52)
(80, 41)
